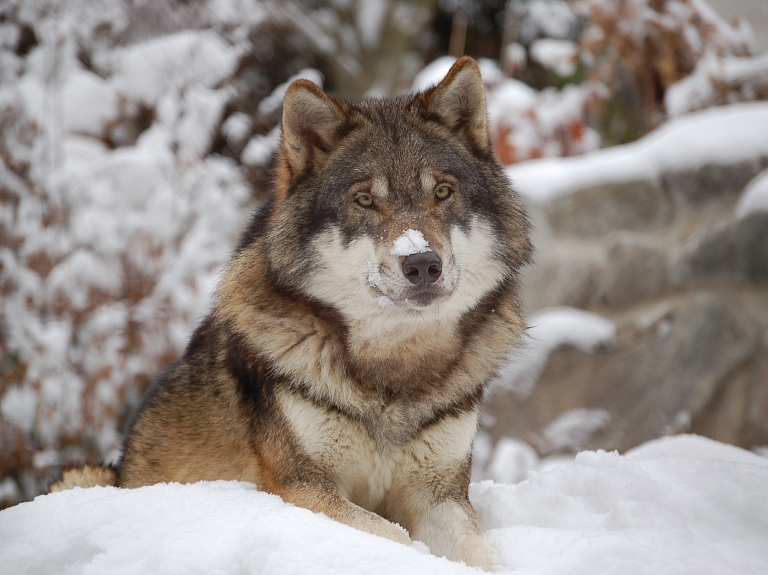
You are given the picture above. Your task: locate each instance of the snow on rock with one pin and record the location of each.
(409, 243)
(728, 134)
(754, 197)
(573, 429)
(682, 505)
(549, 329)
(510, 462)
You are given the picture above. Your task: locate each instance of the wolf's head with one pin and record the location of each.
(393, 211)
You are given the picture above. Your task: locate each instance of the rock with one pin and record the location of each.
(700, 367)
(679, 374)
(634, 273)
(734, 253)
(713, 181)
(565, 277)
(595, 211)
(737, 413)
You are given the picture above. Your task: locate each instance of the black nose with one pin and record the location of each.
(422, 269)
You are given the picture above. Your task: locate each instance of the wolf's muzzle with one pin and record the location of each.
(423, 268)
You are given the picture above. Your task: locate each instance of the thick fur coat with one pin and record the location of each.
(353, 333)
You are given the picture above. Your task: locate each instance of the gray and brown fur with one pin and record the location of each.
(323, 374)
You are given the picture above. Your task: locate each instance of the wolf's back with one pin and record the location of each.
(86, 476)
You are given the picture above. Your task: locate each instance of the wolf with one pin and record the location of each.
(360, 319)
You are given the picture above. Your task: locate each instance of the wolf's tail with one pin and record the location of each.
(86, 476)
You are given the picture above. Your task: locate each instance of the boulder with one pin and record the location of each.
(634, 273)
(735, 253)
(594, 211)
(711, 181)
(699, 367)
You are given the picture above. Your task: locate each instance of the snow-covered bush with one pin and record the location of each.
(641, 48)
(109, 251)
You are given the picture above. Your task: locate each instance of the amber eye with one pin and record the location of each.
(442, 191)
(365, 200)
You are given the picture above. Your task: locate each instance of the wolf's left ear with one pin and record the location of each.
(311, 121)
(459, 102)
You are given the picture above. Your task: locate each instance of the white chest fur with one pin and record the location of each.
(369, 474)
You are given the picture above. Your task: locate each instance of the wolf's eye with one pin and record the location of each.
(442, 192)
(365, 200)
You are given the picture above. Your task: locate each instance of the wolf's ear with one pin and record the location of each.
(310, 123)
(459, 102)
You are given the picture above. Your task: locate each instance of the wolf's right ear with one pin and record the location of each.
(311, 121)
(459, 102)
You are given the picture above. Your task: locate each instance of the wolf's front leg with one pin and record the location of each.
(326, 499)
(451, 528)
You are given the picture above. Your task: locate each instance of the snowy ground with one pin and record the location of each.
(678, 505)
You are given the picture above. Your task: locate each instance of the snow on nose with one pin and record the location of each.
(409, 243)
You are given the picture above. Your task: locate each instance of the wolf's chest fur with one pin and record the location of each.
(372, 470)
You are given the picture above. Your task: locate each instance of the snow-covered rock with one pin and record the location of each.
(724, 136)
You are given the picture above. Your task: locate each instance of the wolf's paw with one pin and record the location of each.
(391, 531)
(478, 553)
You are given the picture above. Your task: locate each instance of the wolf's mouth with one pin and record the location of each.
(424, 297)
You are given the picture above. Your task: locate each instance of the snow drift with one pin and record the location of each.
(678, 505)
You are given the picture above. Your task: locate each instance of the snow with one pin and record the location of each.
(550, 18)
(560, 56)
(275, 100)
(510, 462)
(700, 88)
(18, 406)
(680, 505)
(8, 490)
(728, 134)
(237, 127)
(260, 147)
(370, 17)
(146, 70)
(754, 198)
(573, 429)
(433, 73)
(89, 102)
(548, 329)
(410, 242)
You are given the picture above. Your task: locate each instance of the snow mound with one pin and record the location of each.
(682, 505)
(724, 135)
